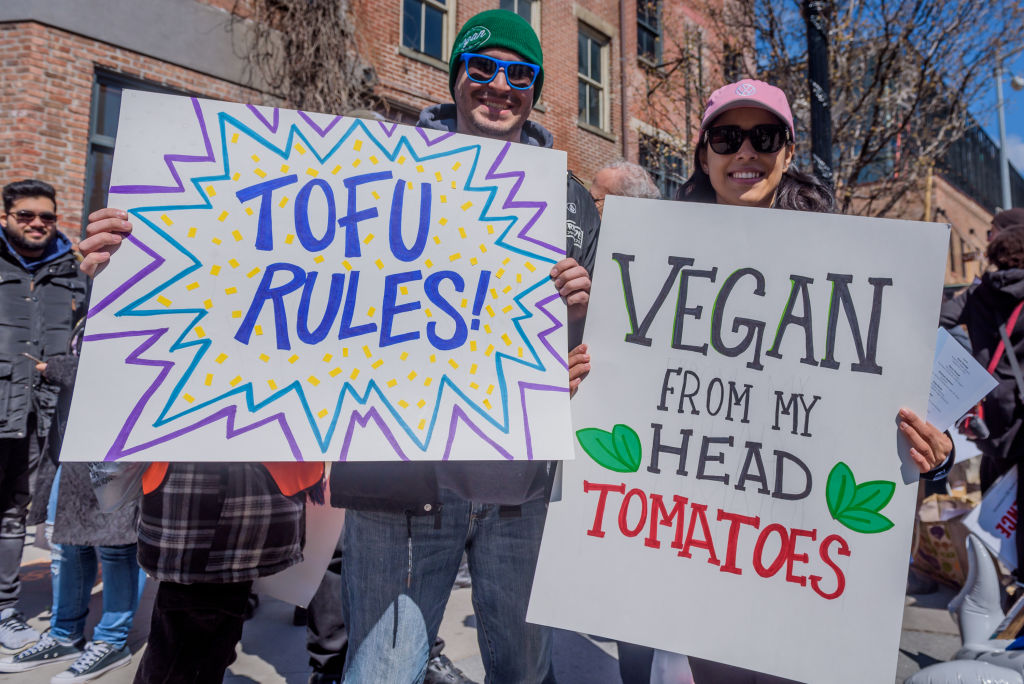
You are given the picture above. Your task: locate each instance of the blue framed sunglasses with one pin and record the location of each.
(483, 69)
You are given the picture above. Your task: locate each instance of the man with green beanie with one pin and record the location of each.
(408, 524)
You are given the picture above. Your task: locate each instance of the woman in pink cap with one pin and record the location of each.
(745, 151)
(744, 158)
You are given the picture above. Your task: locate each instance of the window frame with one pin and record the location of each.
(656, 31)
(663, 176)
(448, 10)
(604, 42)
(534, 13)
(98, 142)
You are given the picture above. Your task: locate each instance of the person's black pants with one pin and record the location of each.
(326, 636)
(18, 460)
(193, 633)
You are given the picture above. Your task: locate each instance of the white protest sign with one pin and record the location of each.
(310, 287)
(994, 520)
(741, 491)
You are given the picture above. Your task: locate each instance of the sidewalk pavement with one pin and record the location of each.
(272, 650)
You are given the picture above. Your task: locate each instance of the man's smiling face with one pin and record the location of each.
(492, 110)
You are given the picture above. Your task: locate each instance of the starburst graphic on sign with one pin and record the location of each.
(342, 266)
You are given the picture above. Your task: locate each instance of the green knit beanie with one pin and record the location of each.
(502, 29)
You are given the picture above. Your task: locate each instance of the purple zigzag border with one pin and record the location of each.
(363, 420)
(272, 127)
(510, 203)
(543, 335)
(426, 138)
(118, 450)
(320, 131)
(171, 160)
(130, 282)
(523, 386)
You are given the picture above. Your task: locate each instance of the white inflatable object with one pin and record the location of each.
(965, 672)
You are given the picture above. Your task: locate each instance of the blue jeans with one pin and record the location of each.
(397, 575)
(73, 569)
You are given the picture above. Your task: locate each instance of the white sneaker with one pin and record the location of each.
(98, 657)
(15, 635)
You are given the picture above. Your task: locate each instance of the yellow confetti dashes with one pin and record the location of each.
(208, 304)
(209, 379)
(237, 235)
(505, 339)
(373, 159)
(334, 372)
(221, 358)
(368, 239)
(366, 350)
(264, 358)
(319, 259)
(216, 241)
(191, 232)
(271, 384)
(370, 312)
(356, 162)
(412, 375)
(188, 397)
(283, 202)
(312, 172)
(466, 206)
(336, 169)
(327, 358)
(456, 166)
(260, 172)
(453, 363)
(211, 191)
(289, 238)
(322, 413)
(314, 381)
(255, 158)
(377, 364)
(529, 267)
(284, 168)
(166, 219)
(293, 358)
(419, 168)
(379, 264)
(230, 290)
(191, 286)
(299, 148)
(392, 382)
(403, 403)
(347, 265)
(233, 263)
(258, 330)
(357, 145)
(236, 314)
(163, 300)
(234, 137)
(235, 380)
(223, 216)
(355, 374)
(455, 257)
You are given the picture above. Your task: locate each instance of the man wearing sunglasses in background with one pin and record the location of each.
(408, 524)
(42, 297)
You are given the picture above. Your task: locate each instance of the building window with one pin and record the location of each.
(424, 26)
(593, 76)
(648, 30)
(665, 163)
(527, 9)
(106, 108)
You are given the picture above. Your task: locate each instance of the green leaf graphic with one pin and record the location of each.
(627, 444)
(864, 521)
(858, 506)
(840, 489)
(874, 495)
(618, 451)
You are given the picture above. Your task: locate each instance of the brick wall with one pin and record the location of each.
(46, 80)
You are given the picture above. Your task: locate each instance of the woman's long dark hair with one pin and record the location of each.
(797, 190)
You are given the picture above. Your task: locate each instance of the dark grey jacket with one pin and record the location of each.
(38, 311)
(414, 487)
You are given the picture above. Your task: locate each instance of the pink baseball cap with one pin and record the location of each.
(749, 93)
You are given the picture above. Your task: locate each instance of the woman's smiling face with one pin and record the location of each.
(746, 178)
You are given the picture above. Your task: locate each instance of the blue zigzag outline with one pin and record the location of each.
(134, 308)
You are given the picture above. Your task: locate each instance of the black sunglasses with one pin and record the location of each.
(765, 138)
(25, 216)
(483, 69)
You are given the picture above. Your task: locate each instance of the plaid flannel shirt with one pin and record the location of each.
(219, 523)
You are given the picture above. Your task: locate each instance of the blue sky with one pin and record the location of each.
(1014, 113)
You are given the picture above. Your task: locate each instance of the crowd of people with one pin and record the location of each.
(205, 531)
